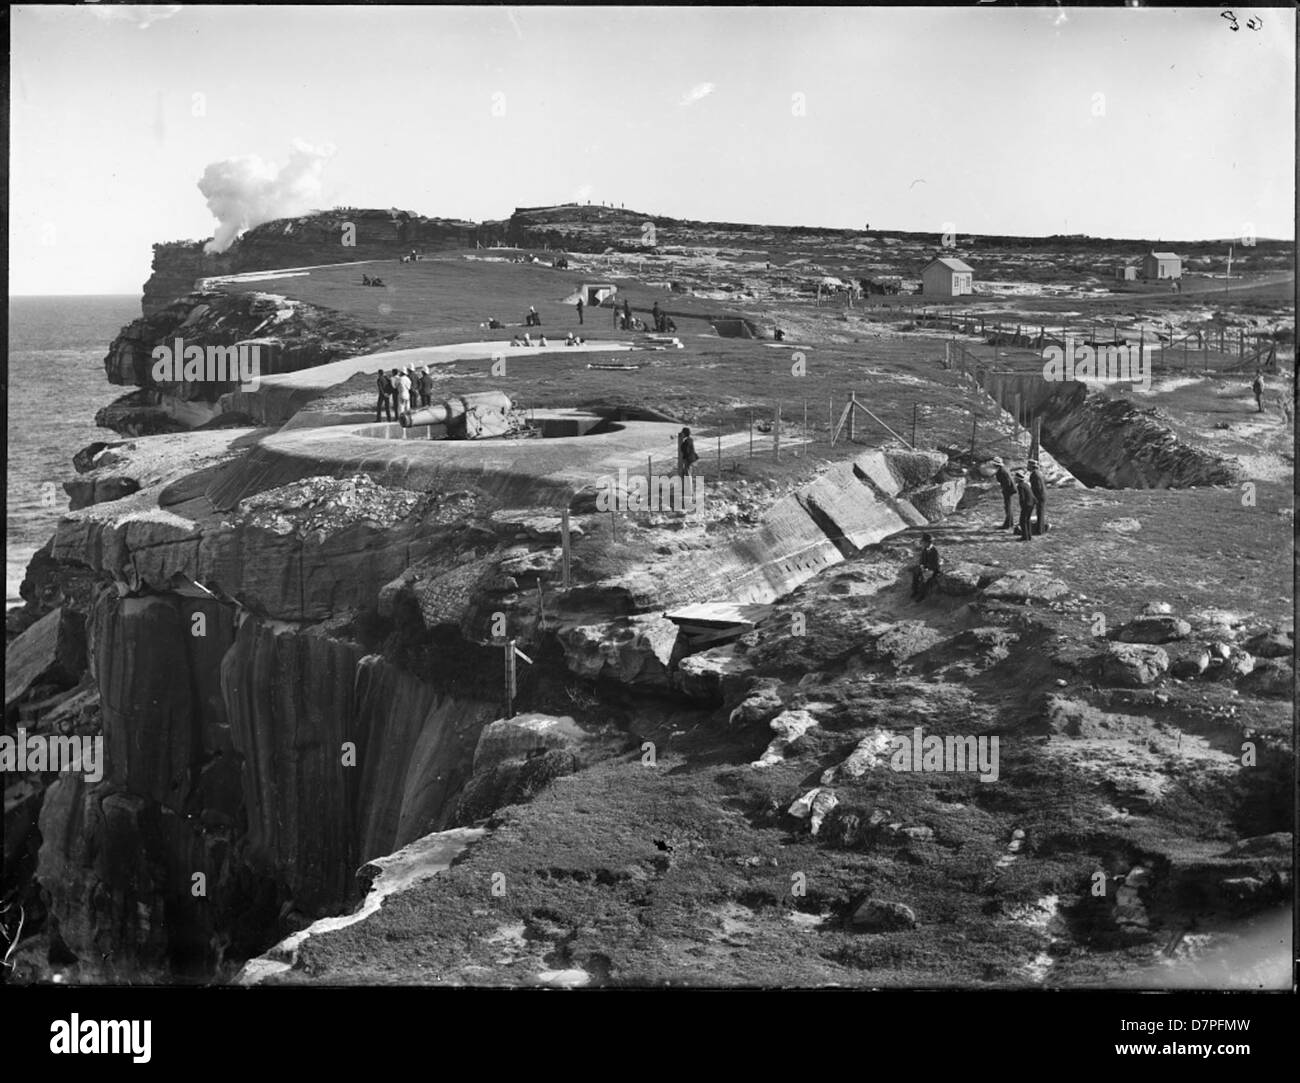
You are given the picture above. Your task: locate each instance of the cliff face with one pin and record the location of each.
(296, 685)
(289, 335)
(337, 236)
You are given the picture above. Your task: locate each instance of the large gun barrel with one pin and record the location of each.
(455, 412)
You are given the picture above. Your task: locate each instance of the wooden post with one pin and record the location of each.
(719, 454)
(805, 428)
(541, 609)
(830, 417)
(751, 434)
(1016, 431)
(1035, 437)
(853, 417)
(974, 425)
(566, 552)
(510, 678)
(915, 407)
(776, 434)
(649, 476)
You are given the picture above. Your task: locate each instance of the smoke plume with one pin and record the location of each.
(245, 192)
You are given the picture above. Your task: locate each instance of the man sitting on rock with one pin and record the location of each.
(927, 571)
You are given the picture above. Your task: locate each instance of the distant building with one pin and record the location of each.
(1162, 265)
(1127, 273)
(946, 276)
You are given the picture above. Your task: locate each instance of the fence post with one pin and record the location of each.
(751, 434)
(719, 456)
(1035, 437)
(1016, 432)
(830, 417)
(564, 544)
(853, 417)
(974, 424)
(510, 678)
(914, 409)
(776, 434)
(805, 428)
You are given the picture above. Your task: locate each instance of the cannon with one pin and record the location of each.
(473, 417)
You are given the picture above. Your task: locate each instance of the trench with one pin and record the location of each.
(1108, 442)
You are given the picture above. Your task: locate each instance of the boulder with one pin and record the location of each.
(51, 651)
(523, 736)
(760, 705)
(511, 782)
(631, 650)
(1134, 664)
(1026, 586)
(712, 675)
(872, 752)
(1157, 609)
(1191, 662)
(1273, 677)
(1271, 645)
(1239, 663)
(903, 640)
(788, 726)
(937, 502)
(963, 578)
(1153, 629)
(815, 805)
(915, 468)
(882, 916)
(1122, 526)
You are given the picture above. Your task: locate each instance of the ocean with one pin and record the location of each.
(56, 384)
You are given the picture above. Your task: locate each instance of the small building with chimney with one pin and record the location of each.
(1157, 265)
(946, 276)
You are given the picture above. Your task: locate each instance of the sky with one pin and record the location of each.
(1123, 122)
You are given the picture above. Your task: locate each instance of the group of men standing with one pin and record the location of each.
(401, 389)
(1027, 486)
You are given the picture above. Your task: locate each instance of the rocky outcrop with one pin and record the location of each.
(51, 653)
(630, 650)
(1133, 664)
(285, 335)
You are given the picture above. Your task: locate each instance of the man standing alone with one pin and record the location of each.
(579, 307)
(1258, 387)
(686, 454)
